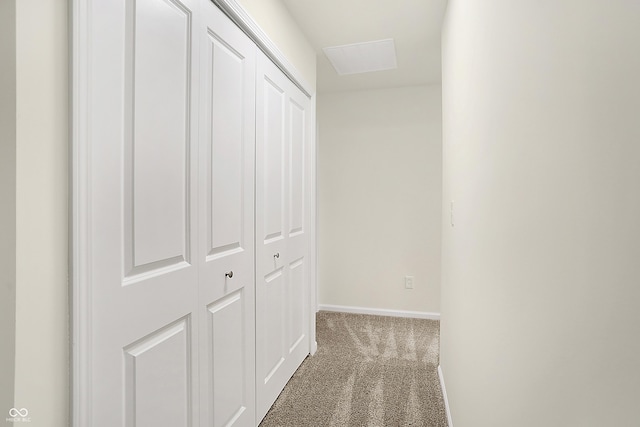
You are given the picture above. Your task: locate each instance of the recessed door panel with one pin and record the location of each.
(274, 339)
(228, 397)
(157, 116)
(273, 149)
(297, 307)
(157, 379)
(296, 168)
(226, 167)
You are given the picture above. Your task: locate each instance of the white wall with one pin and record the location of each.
(41, 208)
(541, 272)
(7, 202)
(379, 198)
(276, 21)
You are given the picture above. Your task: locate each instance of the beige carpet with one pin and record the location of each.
(368, 371)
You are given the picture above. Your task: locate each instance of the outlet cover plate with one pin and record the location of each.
(408, 282)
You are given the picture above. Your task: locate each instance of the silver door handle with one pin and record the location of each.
(229, 274)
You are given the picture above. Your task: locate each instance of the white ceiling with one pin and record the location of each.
(413, 24)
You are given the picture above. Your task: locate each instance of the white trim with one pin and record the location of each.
(444, 397)
(241, 17)
(80, 209)
(315, 212)
(380, 311)
(313, 255)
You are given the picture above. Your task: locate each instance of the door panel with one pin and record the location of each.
(282, 135)
(296, 169)
(227, 350)
(227, 157)
(271, 271)
(157, 132)
(297, 300)
(157, 378)
(225, 167)
(298, 243)
(275, 323)
(273, 149)
(143, 187)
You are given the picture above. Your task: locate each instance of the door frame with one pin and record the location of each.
(80, 208)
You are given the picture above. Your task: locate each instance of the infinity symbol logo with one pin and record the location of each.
(13, 412)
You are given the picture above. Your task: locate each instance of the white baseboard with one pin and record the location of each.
(380, 311)
(444, 397)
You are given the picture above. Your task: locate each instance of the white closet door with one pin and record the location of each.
(282, 212)
(227, 157)
(143, 186)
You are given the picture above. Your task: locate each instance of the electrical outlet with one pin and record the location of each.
(408, 282)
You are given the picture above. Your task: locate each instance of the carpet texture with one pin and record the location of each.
(368, 371)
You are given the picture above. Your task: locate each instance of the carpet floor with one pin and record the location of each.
(368, 371)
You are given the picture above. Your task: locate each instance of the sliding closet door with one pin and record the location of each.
(143, 186)
(282, 210)
(227, 157)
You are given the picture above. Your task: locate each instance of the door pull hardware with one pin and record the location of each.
(229, 274)
(277, 255)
